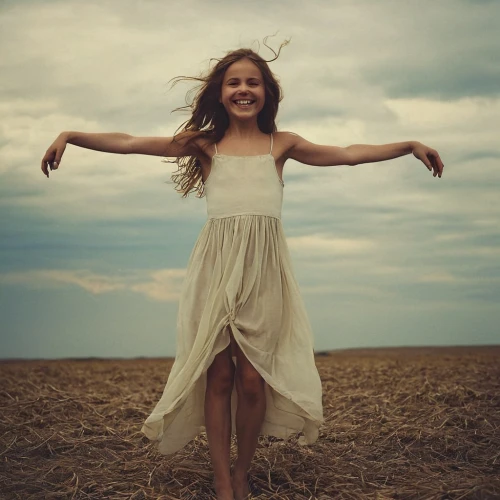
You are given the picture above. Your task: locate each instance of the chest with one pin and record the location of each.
(206, 167)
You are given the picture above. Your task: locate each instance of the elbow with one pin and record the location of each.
(128, 145)
(349, 158)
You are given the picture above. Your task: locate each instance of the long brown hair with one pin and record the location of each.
(209, 118)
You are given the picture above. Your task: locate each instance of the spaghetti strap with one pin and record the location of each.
(216, 152)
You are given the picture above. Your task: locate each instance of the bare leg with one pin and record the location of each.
(249, 417)
(220, 379)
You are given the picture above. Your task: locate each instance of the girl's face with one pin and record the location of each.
(243, 82)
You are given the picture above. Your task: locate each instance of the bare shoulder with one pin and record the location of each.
(202, 144)
(285, 142)
(193, 141)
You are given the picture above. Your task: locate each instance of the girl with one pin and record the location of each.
(245, 360)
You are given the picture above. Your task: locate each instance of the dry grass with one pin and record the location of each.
(418, 423)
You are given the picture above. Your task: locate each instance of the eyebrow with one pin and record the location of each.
(250, 78)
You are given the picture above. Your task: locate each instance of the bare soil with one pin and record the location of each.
(400, 423)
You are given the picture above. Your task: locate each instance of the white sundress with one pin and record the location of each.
(240, 279)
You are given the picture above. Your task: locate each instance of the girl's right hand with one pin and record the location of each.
(52, 158)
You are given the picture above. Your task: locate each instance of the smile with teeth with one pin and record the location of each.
(244, 103)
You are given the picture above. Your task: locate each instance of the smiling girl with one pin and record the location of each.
(245, 358)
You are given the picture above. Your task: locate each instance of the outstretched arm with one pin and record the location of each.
(367, 153)
(325, 156)
(117, 142)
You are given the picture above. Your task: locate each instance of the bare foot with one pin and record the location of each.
(224, 492)
(240, 486)
(225, 496)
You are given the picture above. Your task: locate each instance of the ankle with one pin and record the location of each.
(223, 484)
(239, 471)
(223, 488)
(224, 494)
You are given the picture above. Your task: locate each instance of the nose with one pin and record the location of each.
(243, 89)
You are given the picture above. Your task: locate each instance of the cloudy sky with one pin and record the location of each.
(92, 259)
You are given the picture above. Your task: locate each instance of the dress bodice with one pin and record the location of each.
(240, 185)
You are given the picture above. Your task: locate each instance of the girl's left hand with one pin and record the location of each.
(429, 157)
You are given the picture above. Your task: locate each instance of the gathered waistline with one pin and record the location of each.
(243, 214)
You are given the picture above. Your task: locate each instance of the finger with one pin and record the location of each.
(57, 160)
(437, 166)
(434, 164)
(425, 160)
(47, 161)
(439, 163)
(44, 168)
(441, 166)
(428, 164)
(434, 167)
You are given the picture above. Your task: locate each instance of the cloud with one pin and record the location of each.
(438, 277)
(354, 73)
(92, 84)
(442, 51)
(312, 244)
(162, 285)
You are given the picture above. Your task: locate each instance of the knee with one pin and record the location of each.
(220, 384)
(220, 374)
(249, 385)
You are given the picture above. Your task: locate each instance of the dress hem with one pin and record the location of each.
(151, 427)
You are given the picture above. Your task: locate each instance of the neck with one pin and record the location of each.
(243, 129)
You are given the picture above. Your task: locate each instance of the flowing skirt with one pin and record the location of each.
(240, 280)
